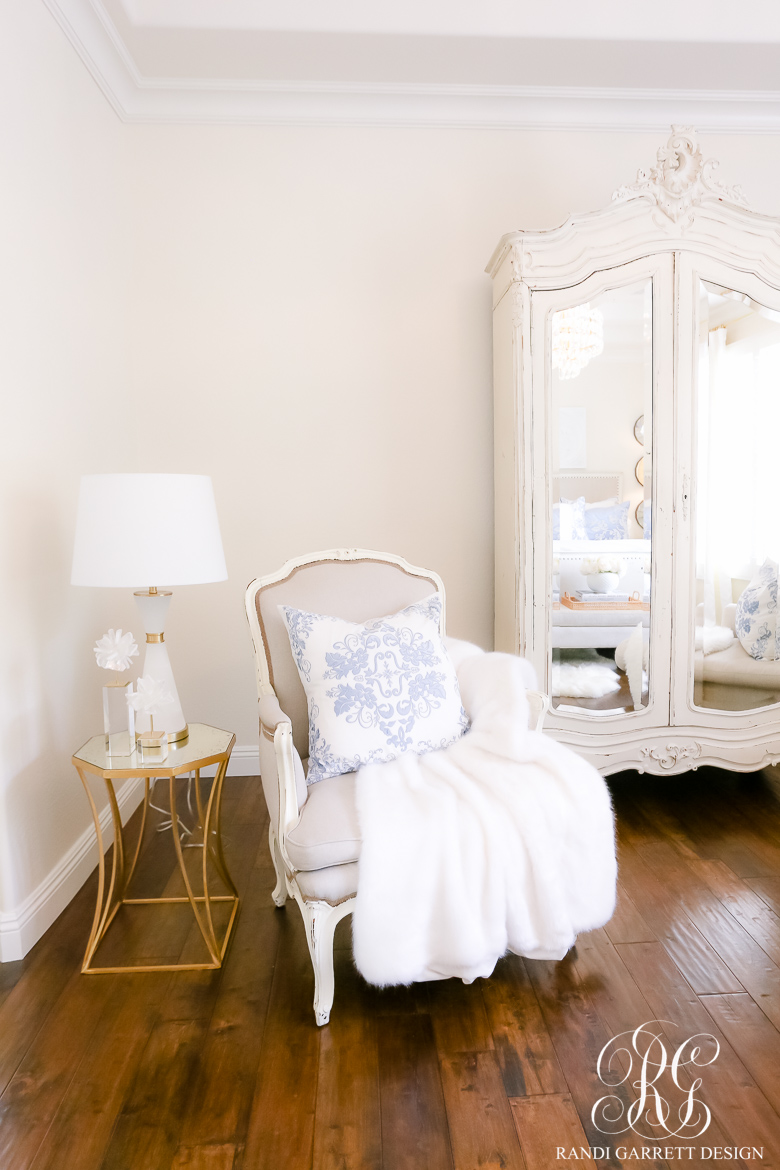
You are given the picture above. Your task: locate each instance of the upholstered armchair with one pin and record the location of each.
(314, 832)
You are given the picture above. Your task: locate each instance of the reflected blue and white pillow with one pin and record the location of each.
(610, 523)
(569, 520)
(755, 620)
(374, 690)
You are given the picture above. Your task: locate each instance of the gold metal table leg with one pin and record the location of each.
(110, 897)
(109, 901)
(212, 837)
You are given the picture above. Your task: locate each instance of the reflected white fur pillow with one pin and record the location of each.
(374, 690)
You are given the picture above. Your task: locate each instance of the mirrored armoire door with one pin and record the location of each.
(602, 473)
(636, 376)
(727, 641)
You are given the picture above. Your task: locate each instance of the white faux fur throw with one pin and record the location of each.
(583, 680)
(710, 639)
(504, 840)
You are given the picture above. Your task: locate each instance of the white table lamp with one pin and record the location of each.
(149, 530)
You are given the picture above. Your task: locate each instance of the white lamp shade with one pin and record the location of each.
(142, 530)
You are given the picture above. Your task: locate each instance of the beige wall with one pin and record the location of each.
(63, 382)
(301, 313)
(613, 396)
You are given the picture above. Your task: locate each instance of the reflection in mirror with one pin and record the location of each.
(601, 359)
(737, 639)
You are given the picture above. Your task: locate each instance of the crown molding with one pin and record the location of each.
(139, 99)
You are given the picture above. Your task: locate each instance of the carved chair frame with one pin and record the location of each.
(320, 918)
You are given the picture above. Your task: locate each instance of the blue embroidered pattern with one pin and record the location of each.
(607, 523)
(389, 677)
(755, 621)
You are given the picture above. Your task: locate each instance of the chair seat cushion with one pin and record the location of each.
(328, 830)
(334, 884)
(736, 668)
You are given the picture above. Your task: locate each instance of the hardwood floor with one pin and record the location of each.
(226, 1070)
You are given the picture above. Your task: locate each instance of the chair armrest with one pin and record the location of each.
(280, 769)
(271, 714)
(540, 705)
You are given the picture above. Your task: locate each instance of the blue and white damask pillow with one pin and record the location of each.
(755, 620)
(608, 523)
(374, 690)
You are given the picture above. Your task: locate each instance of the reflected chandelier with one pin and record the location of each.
(577, 336)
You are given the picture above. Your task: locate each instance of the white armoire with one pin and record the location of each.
(637, 409)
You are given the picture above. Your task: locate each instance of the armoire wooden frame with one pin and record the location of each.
(675, 225)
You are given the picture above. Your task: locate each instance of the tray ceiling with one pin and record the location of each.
(501, 64)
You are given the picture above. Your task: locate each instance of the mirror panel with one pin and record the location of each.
(601, 359)
(736, 652)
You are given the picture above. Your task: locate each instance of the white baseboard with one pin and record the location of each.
(20, 929)
(244, 760)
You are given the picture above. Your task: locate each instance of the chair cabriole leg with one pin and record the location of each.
(320, 920)
(279, 894)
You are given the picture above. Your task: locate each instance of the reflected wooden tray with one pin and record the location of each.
(597, 606)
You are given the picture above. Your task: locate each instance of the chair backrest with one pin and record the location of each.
(354, 584)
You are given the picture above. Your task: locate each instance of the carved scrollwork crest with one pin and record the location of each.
(670, 756)
(681, 179)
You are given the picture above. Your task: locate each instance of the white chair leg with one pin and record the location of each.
(321, 920)
(279, 894)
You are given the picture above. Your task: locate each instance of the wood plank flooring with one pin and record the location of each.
(227, 1070)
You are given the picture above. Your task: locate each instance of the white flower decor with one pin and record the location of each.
(592, 565)
(150, 696)
(115, 650)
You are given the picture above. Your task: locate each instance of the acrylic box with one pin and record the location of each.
(118, 719)
(152, 747)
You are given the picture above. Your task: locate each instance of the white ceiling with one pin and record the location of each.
(496, 63)
(663, 20)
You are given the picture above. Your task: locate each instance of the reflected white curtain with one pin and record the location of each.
(737, 498)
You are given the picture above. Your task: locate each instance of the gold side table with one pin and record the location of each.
(204, 746)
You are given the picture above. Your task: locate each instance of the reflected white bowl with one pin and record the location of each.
(603, 582)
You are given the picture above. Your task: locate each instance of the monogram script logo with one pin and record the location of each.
(653, 1067)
